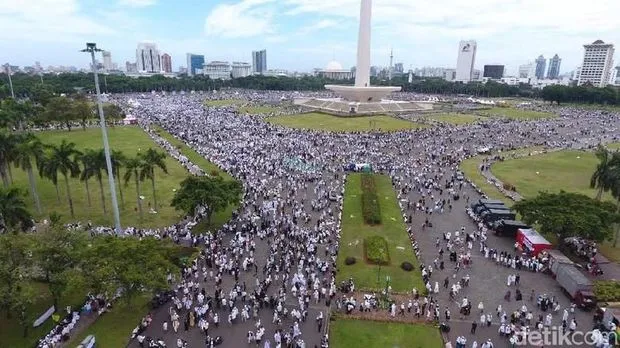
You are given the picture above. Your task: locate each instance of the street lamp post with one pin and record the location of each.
(8, 72)
(92, 48)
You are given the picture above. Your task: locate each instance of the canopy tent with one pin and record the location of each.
(358, 167)
(531, 241)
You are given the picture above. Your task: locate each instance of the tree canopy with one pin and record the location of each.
(569, 215)
(213, 193)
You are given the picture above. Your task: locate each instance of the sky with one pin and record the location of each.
(300, 35)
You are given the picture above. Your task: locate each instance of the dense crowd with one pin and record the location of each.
(271, 269)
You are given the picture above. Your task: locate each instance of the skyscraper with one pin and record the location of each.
(541, 66)
(166, 63)
(493, 71)
(598, 61)
(107, 60)
(195, 64)
(147, 58)
(554, 67)
(259, 61)
(466, 60)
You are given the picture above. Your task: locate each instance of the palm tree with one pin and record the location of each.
(153, 159)
(100, 166)
(13, 212)
(88, 163)
(132, 167)
(29, 148)
(118, 161)
(601, 177)
(612, 182)
(8, 141)
(49, 169)
(64, 156)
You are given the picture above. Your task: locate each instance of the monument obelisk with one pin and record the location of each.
(362, 72)
(362, 92)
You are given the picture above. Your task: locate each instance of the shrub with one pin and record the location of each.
(607, 290)
(350, 260)
(377, 252)
(407, 266)
(370, 201)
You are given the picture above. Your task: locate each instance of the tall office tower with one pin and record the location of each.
(466, 60)
(598, 59)
(147, 58)
(541, 66)
(195, 64)
(259, 61)
(554, 67)
(399, 68)
(166, 63)
(107, 60)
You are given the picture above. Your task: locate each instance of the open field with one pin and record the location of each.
(345, 333)
(325, 122)
(11, 333)
(454, 118)
(220, 218)
(516, 114)
(393, 229)
(254, 110)
(563, 170)
(224, 102)
(129, 140)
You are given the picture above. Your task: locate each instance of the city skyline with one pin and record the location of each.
(301, 35)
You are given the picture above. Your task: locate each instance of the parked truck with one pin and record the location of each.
(508, 227)
(577, 286)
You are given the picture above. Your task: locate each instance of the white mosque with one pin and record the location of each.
(334, 71)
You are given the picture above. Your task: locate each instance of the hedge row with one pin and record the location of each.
(370, 201)
(377, 252)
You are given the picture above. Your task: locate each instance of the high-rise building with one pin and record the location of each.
(107, 60)
(466, 60)
(166, 63)
(217, 70)
(493, 71)
(541, 66)
(240, 69)
(131, 67)
(598, 60)
(399, 68)
(195, 64)
(527, 71)
(617, 81)
(554, 67)
(147, 58)
(259, 61)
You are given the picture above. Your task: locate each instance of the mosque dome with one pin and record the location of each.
(333, 66)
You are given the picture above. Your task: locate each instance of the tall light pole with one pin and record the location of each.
(8, 72)
(91, 48)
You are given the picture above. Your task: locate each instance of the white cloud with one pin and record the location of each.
(137, 3)
(47, 20)
(318, 26)
(247, 18)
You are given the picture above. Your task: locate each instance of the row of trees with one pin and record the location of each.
(53, 110)
(581, 95)
(606, 178)
(66, 261)
(65, 161)
(31, 86)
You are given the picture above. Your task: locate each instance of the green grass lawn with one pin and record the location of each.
(221, 217)
(562, 170)
(11, 333)
(129, 140)
(224, 102)
(372, 334)
(254, 110)
(393, 229)
(516, 114)
(326, 122)
(113, 329)
(454, 118)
